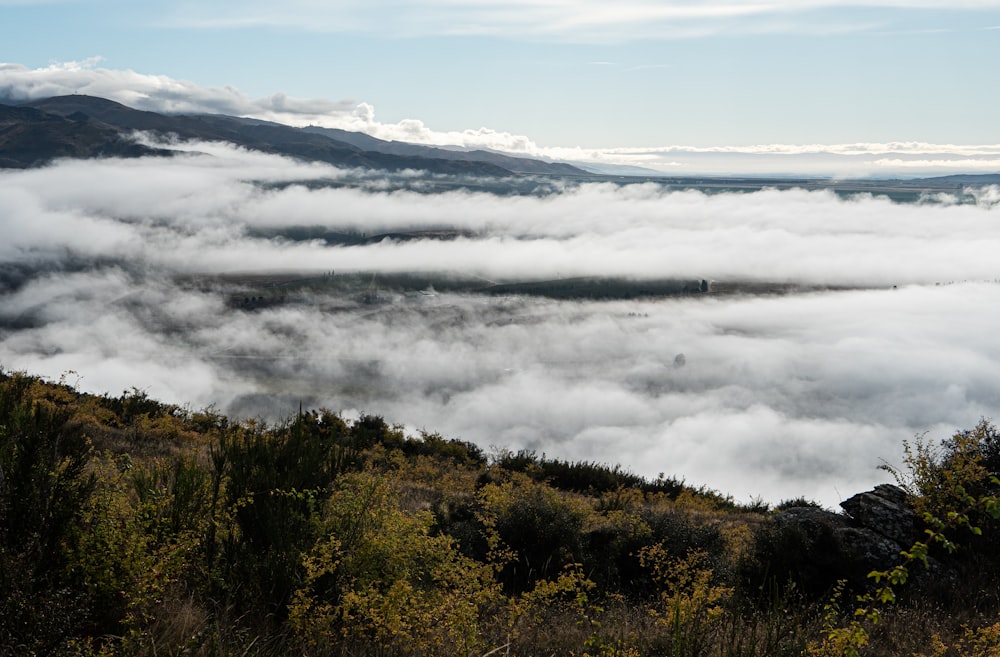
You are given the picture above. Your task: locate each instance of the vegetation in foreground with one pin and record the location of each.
(131, 527)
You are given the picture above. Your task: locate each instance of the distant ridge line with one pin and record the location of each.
(108, 120)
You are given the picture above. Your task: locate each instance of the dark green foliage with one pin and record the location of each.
(208, 420)
(371, 430)
(460, 452)
(133, 404)
(983, 445)
(796, 503)
(756, 505)
(522, 460)
(458, 519)
(682, 532)
(42, 482)
(43, 488)
(544, 532)
(611, 560)
(37, 616)
(173, 496)
(985, 439)
(277, 479)
(807, 558)
(584, 476)
(944, 476)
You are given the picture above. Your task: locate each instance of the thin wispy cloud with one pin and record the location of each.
(580, 20)
(963, 165)
(648, 67)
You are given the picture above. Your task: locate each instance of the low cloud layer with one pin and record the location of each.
(110, 269)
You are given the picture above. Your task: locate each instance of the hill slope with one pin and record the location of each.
(30, 137)
(107, 120)
(132, 527)
(404, 149)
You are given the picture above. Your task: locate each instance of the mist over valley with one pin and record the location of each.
(763, 342)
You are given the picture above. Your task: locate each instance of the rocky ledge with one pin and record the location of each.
(875, 527)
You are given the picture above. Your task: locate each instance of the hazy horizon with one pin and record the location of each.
(899, 159)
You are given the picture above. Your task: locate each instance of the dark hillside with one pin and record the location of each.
(133, 527)
(403, 149)
(262, 136)
(965, 179)
(31, 137)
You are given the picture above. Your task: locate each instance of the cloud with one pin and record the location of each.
(111, 269)
(836, 160)
(202, 204)
(964, 164)
(578, 21)
(164, 94)
(160, 93)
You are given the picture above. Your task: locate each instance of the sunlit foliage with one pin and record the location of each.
(130, 527)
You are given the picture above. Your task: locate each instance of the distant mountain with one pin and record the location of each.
(105, 122)
(30, 137)
(510, 162)
(977, 179)
(618, 169)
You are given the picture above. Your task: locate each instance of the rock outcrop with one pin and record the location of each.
(884, 511)
(876, 526)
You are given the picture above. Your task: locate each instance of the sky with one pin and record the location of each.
(817, 87)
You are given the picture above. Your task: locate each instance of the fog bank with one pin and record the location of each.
(126, 273)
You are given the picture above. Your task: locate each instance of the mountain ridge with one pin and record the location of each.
(513, 163)
(82, 126)
(31, 137)
(44, 137)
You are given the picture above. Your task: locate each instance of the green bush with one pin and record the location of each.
(378, 577)
(275, 483)
(44, 488)
(541, 528)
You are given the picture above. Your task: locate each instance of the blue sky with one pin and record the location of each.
(568, 74)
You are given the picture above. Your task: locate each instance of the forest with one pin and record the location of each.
(134, 527)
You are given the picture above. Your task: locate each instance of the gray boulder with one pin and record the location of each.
(885, 512)
(875, 527)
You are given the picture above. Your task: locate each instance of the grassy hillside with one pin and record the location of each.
(128, 526)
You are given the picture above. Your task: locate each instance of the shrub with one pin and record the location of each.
(943, 477)
(690, 601)
(44, 489)
(118, 558)
(785, 557)
(540, 527)
(275, 483)
(378, 577)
